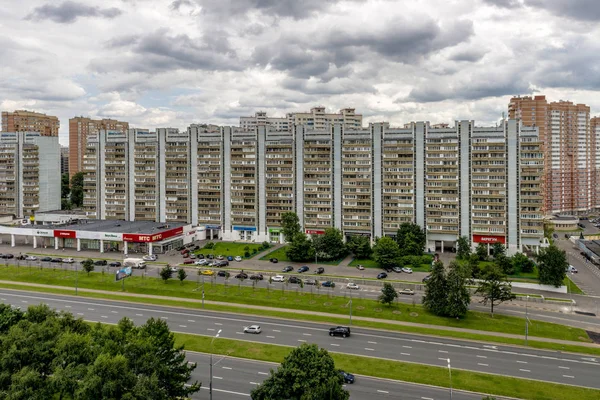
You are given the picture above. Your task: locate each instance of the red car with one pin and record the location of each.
(188, 261)
(185, 252)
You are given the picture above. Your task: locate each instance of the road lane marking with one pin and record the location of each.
(90, 309)
(139, 315)
(276, 330)
(183, 326)
(426, 398)
(524, 370)
(306, 334)
(443, 359)
(240, 333)
(263, 373)
(226, 367)
(253, 383)
(405, 354)
(24, 301)
(382, 391)
(483, 365)
(103, 316)
(271, 337)
(301, 340)
(442, 351)
(334, 344)
(369, 349)
(569, 376)
(164, 317)
(372, 342)
(521, 362)
(560, 366)
(481, 356)
(218, 377)
(218, 323)
(67, 306)
(407, 347)
(79, 313)
(191, 320)
(210, 329)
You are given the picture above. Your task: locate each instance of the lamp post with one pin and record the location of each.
(76, 277)
(450, 374)
(526, 320)
(211, 363)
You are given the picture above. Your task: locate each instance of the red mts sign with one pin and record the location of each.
(157, 237)
(315, 232)
(65, 234)
(489, 239)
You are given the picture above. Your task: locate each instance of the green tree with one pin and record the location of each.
(300, 248)
(459, 296)
(494, 287)
(166, 273)
(505, 264)
(330, 245)
(482, 251)
(88, 265)
(360, 246)
(498, 250)
(9, 316)
(290, 225)
(64, 186)
(306, 373)
(411, 239)
(181, 275)
(522, 263)
(552, 266)
(435, 299)
(473, 265)
(386, 252)
(463, 248)
(388, 294)
(77, 189)
(65, 204)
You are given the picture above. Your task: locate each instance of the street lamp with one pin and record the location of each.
(526, 320)
(450, 374)
(211, 363)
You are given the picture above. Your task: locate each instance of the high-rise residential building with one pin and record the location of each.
(64, 160)
(29, 173)
(29, 121)
(461, 180)
(79, 129)
(570, 157)
(595, 148)
(316, 118)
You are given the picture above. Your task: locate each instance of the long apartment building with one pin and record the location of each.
(29, 121)
(29, 173)
(317, 118)
(79, 129)
(595, 136)
(461, 180)
(569, 177)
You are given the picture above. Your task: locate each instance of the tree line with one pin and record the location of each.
(71, 192)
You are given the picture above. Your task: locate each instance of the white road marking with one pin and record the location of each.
(240, 333)
(218, 377)
(271, 337)
(209, 329)
(79, 313)
(226, 367)
(442, 351)
(569, 376)
(226, 391)
(522, 362)
(67, 306)
(372, 342)
(405, 354)
(263, 373)
(382, 391)
(301, 340)
(276, 330)
(24, 301)
(253, 383)
(139, 315)
(164, 317)
(306, 334)
(369, 349)
(483, 365)
(481, 356)
(334, 344)
(103, 316)
(524, 370)
(183, 326)
(90, 309)
(443, 359)
(218, 323)
(114, 312)
(426, 398)
(407, 347)
(563, 367)
(191, 320)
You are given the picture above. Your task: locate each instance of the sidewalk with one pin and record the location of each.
(303, 312)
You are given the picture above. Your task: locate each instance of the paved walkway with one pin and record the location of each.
(304, 312)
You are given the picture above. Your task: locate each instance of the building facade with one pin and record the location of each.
(79, 129)
(64, 160)
(569, 176)
(29, 173)
(595, 148)
(461, 180)
(29, 121)
(316, 118)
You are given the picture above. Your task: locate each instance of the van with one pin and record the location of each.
(134, 263)
(571, 269)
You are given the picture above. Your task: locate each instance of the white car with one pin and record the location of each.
(406, 291)
(252, 329)
(31, 258)
(201, 262)
(68, 260)
(278, 278)
(360, 267)
(407, 270)
(352, 286)
(174, 269)
(238, 258)
(149, 258)
(572, 269)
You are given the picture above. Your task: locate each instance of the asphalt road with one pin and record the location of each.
(573, 369)
(234, 378)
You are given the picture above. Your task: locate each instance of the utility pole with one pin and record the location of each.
(450, 374)
(211, 363)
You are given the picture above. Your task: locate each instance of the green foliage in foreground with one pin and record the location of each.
(46, 355)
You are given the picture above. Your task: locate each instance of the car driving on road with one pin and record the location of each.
(397, 269)
(257, 277)
(342, 331)
(238, 258)
(381, 275)
(320, 270)
(278, 278)
(68, 260)
(328, 284)
(348, 378)
(252, 329)
(148, 257)
(406, 291)
(293, 279)
(352, 286)
(302, 269)
(287, 269)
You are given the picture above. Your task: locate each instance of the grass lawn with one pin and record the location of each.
(229, 249)
(281, 256)
(571, 286)
(382, 368)
(289, 297)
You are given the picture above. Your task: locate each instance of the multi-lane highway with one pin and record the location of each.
(573, 369)
(234, 378)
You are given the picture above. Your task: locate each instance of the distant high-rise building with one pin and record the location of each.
(570, 158)
(79, 129)
(64, 160)
(595, 148)
(29, 121)
(317, 118)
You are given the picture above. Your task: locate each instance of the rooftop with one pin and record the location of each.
(593, 246)
(142, 227)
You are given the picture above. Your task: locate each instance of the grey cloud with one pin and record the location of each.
(178, 3)
(504, 3)
(468, 55)
(69, 11)
(575, 65)
(279, 8)
(334, 87)
(585, 10)
(122, 41)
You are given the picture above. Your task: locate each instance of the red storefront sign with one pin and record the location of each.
(65, 234)
(489, 239)
(157, 237)
(315, 232)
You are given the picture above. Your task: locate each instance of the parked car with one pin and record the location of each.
(174, 269)
(320, 270)
(388, 269)
(150, 257)
(201, 262)
(328, 284)
(114, 264)
(406, 291)
(572, 269)
(192, 256)
(382, 275)
(56, 260)
(360, 267)
(68, 260)
(220, 257)
(188, 261)
(21, 257)
(293, 279)
(223, 263)
(342, 331)
(252, 329)
(208, 272)
(47, 259)
(199, 255)
(210, 256)
(302, 269)
(407, 270)
(100, 262)
(310, 282)
(181, 248)
(31, 258)
(257, 277)
(184, 251)
(238, 258)
(288, 269)
(278, 278)
(9, 256)
(241, 275)
(352, 286)
(428, 277)
(348, 378)
(229, 258)
(555, 235)
(274, 260)
(190, 245)
(396, 269)
(224, 274)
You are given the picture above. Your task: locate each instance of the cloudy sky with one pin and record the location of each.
(171, 63)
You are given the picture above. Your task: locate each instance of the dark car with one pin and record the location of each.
(274, 260)
(293, 279)
(342, 331)
(210, 256)
(56, 260)
(47, 259)
(241, 275)
(223, 274)
(288, 269)
(180, 248)
(114, 264)
(320, 270)
(100, 262)
(257, 277)
(388, 269)
(555, 235)
(348, 378)
(190, 245)
(381, 275)
(229, 258)
(199, 256)
(328, 284)
(7, 256)
(196, 247)
(302, 269)
(21, 257)
(223, 263)
(428, 277)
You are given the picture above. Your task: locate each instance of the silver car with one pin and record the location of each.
(252, 329)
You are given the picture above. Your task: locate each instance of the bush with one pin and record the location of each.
(209, 245)
(265, 245)
(254, 251)
(247, 254)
